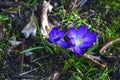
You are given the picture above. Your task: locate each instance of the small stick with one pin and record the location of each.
(81, 3)
(74, 5)
(26, 77)
(107, 45)
(22, 56)
(28, 71)
(94, 59)
(92, 14)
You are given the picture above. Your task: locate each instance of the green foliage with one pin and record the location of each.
(3, 18)
(68, 64)
(103, 75)
(31, 49)
(30, 3)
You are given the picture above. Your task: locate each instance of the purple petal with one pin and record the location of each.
(82, 31)
(52, 33)
(60, 34)
(56, 39)
(54, 30)
(77, 50)
(51, 40)
(84, 45)
(90, 37)
(51, 37)
(72, 41)
(72, 32)
(63, 44)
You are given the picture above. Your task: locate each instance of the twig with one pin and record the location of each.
(94, 59)
(74, 5)
(28, 71)
(90, 15)
(81, 3)
(27, 76)
(107, 45)
(22, 56)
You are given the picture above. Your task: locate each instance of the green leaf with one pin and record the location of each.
(49, 49)
(67, 65)
(31, 49)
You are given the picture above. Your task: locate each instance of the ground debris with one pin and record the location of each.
(45, 26)
(30, 28)
(54, 76)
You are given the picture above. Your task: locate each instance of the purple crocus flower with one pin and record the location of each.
(55, 36)
(80, 39)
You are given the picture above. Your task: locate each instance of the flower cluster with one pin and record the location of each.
(79, 40)
(55, 36)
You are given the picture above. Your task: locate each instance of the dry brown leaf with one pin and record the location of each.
(30, 28)
(14, 43)
(45, 26)
(54, 76)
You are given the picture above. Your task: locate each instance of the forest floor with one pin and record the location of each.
(27, 54)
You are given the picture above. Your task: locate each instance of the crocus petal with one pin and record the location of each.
(56, 39)
(82, 31)
(51, 40)
(54, 30)
(84, 45)
(72, 32)
(51, 37)
(77, 50)
(63, 44)
(72, 41)
(60, 34)
(52, 33)
(90, 37)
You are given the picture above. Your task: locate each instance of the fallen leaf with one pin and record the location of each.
(54, 76)
(45, 26)
(14, 43)
(30, 28)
